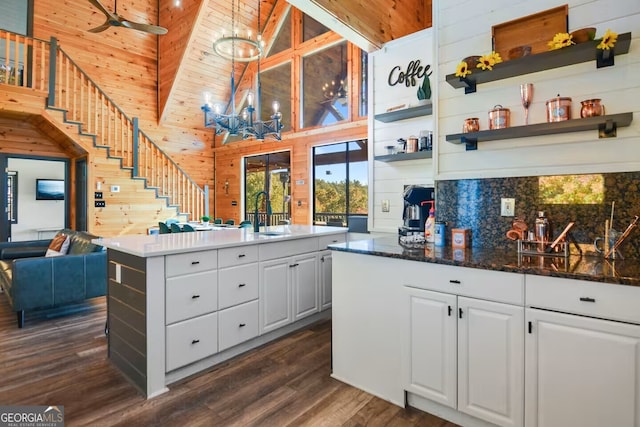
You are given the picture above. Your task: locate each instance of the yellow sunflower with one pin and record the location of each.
(560, 40)
(496, 57)
(608, 40)
(486, 62)
(462, 70)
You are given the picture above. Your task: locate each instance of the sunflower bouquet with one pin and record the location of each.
(485, 62)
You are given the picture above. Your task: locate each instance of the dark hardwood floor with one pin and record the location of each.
(62, 360)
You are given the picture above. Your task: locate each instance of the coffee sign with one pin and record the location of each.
(410, 77)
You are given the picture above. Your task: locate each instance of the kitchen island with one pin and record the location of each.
(484, 337)
(180, 303)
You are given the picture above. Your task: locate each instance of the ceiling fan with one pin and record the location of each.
(115, 20)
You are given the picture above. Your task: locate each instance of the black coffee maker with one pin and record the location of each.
(415, 210)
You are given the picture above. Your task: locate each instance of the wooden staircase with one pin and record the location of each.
(82, 111)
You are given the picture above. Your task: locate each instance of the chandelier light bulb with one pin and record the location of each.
(276, 106)
(217, 108)
(250, 99)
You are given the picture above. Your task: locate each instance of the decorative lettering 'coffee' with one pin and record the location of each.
(410, 77)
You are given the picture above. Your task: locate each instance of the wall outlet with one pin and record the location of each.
(507, 207)
(385, 206)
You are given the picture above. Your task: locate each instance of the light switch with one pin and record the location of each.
(385, 206)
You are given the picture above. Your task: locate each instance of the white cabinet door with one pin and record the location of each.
(491, 361)
(581, 371)
(304, 280)
(275, 294)
(430, 346)
(324, 274)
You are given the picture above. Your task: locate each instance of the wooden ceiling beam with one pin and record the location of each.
(369, 24)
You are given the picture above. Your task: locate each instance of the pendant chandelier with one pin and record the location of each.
(242, 49)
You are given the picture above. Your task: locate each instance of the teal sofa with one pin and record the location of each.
(32, 281)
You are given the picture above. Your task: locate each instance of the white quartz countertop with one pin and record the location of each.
(165, 244)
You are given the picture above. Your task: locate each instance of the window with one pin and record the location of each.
(276, 86)
(364, 70)
(271, 173)
(325, 92)
(340, 184)
(311, 28)
(12, 197)
(283, 38)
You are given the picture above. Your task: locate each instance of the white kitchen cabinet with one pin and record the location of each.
(467, 354)
(288, 290)
(431, 368)
(304, 281)
(491, 361)
(325, 263)
(581, 371)
(275, 294)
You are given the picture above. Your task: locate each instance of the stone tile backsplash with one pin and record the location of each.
(475, 204)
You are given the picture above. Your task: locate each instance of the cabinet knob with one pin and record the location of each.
(195, 296)
(242, 285)
(242, 325)
(195, 341)
(195, 262)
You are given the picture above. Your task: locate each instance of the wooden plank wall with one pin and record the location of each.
(124, 64)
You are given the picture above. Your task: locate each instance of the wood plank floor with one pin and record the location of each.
(61, 360)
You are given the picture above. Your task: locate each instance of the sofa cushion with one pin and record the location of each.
(23, 252)
(81, 243)
(59, 246)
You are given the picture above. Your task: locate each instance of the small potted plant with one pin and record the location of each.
(205, 219)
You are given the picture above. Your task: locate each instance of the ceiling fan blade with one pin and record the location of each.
(101, 28)
(148, 28)
(108, 13)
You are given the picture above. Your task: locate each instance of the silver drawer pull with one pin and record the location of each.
(195, 296)
(242, 285)
(455, 282)
(242, 325)
(195, 262)
(587, 299)
(195, 341)
(241, 255)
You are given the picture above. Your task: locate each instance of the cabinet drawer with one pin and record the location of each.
(191, 295)
(324, 241)
(238, 324)
(276, 250)
(608, 301)
(191, 262)
(191, 340)
(237, 285)
(229, 257)
(472, 282)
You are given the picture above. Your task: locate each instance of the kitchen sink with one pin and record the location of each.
(271, 233)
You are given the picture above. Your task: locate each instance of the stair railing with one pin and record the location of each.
(71, 90)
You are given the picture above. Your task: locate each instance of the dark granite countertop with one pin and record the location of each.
(596, 269)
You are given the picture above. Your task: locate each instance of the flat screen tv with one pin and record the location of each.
(49, 189)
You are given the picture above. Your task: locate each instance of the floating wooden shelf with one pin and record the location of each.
(575, 54)
(405, 113)
(606, 126)
(404, 156)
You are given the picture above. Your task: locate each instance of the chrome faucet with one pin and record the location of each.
(256, 225)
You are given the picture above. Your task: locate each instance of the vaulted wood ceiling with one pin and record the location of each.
(188, 67)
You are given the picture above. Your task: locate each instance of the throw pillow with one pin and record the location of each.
(59, 246)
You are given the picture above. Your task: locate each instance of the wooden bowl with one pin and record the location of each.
(472, 61)
(583, 35)
(519, 52)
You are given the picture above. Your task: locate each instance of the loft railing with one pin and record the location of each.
(84, 103)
